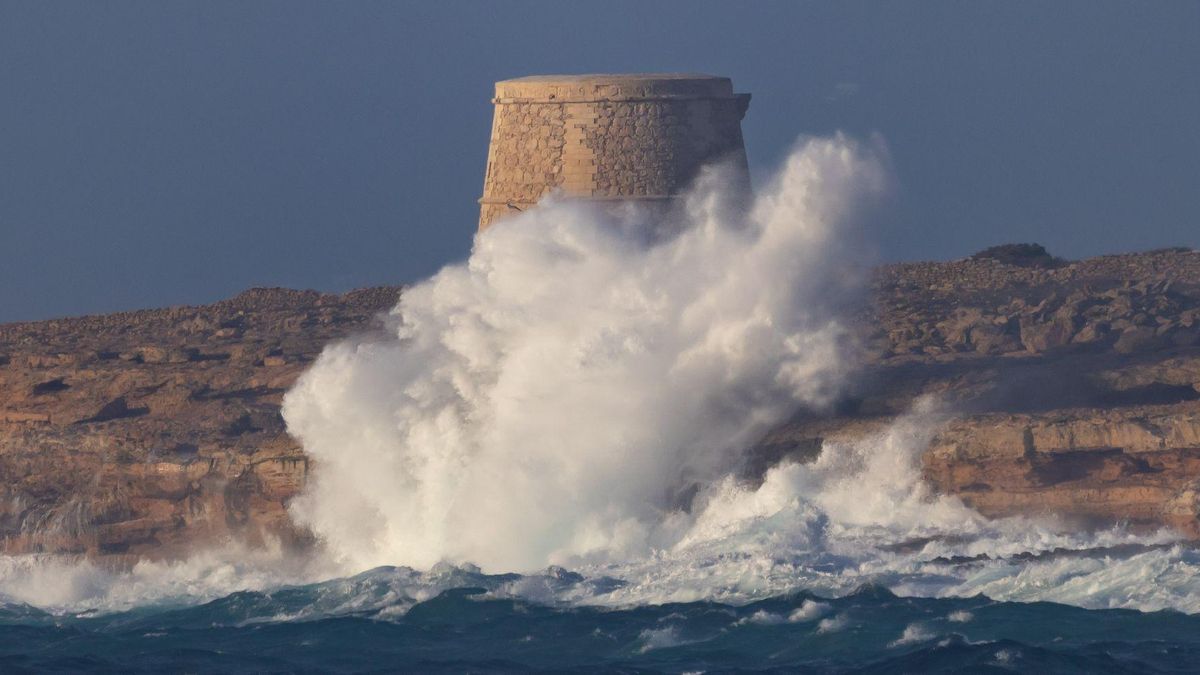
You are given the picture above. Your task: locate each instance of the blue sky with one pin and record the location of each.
(156, 153)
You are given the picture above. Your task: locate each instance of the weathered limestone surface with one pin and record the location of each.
(1074, 389)
(137, 434)
(141, 433)
(638, 137)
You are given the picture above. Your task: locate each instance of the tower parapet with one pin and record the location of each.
(619, 137)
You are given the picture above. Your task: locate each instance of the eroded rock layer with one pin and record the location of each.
(141, 433)
(1069, 388)
(1072, 389)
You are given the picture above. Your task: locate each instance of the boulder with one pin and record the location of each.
(1048, 334)
(1136, 339)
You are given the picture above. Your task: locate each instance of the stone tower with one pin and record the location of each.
(608, 137)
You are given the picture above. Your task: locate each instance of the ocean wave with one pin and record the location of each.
(870, 628)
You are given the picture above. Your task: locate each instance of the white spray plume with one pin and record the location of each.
(555, 398)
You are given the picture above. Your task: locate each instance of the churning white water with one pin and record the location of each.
(581, 392)
(556, 397)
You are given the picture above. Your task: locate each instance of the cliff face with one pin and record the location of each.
(139, 433)
(1073, 388)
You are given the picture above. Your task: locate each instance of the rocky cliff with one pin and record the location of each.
(136, 434)
(1073, 389)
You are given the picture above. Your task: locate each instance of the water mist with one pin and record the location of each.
(556, 397)
(581, 392)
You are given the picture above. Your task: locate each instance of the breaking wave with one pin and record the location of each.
(554, 434)
(564, 394)
(859, 515)
(581, 392)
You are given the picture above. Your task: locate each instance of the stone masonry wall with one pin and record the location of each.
(638, 137)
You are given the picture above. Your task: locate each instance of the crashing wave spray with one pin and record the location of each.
(558, 396)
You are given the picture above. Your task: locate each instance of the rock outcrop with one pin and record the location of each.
(138, 434)
(1073, 388)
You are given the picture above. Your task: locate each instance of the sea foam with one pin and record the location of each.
(559, 396)
(574, 404)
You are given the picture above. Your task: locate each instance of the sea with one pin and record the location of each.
(802, 573)
(459, 620)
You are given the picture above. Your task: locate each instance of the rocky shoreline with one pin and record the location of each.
(1074, 389)
(139, 434)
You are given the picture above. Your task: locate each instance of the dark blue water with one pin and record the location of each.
(461, 630)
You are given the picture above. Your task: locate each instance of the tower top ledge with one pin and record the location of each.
(613, 87)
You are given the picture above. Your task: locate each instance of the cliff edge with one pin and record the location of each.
(141, 433)
(1074, 389)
